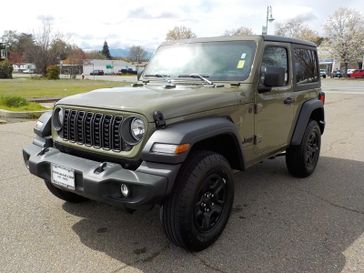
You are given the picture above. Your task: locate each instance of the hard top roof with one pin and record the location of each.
(270, 38)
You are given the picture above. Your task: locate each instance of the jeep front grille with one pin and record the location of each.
(93, 129)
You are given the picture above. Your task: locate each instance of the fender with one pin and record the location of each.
(307, 108)
(190, 132)
(43, 125)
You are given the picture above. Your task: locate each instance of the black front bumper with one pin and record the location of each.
(148, 185)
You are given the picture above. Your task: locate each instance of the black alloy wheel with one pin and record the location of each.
(211, 202)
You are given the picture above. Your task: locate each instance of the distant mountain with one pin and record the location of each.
(124, 52)
(119, 52)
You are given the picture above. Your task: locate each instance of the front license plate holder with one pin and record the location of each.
(64, 177)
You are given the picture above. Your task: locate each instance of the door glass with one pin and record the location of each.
(277, 57)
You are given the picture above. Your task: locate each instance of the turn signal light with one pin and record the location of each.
(170, 148)
(322, 97)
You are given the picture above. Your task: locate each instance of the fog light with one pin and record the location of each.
(124, 190)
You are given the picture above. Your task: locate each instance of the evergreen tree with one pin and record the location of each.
(105, 51)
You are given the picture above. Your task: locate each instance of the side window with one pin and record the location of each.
(276, 56)
(305, 66)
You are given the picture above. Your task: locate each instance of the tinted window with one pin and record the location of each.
(276, 57)
(305, 65)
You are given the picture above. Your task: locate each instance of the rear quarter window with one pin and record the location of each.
(306, 69)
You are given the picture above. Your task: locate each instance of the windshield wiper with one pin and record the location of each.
(198, 76)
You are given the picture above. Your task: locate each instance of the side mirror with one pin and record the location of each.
(139, 73)
(272, 76)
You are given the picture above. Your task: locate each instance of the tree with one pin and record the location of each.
(241, 31)
(6, 70)
(137, 54)
(59, 50)
(105, 51)
(9, 39)
(180, 32)
(94, 54)
(345, 32)
(296, 29)
(19, 46)
(75, 58)
(42, 54)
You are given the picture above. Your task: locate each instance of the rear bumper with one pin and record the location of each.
(148, 184)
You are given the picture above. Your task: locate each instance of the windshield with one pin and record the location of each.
(217, 61)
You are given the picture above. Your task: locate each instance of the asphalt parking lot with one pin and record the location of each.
(279, 223)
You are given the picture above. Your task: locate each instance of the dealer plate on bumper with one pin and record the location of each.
(63, 176)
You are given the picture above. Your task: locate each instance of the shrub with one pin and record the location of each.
(53, 72)
(13, 101)
(36, 77)
(6, 70)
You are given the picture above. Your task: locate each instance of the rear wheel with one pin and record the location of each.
(199, 207)
(301, 160)
(64, 195)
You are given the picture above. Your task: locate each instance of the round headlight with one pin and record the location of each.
(137, 128)
(58, 118)
(61, 117)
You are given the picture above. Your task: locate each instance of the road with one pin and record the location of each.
(279, 223)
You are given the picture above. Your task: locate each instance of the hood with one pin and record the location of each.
(176, 102)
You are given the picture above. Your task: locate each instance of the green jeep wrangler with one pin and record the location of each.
(201, 108)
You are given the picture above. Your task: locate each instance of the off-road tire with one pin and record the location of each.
(64, 195)
(301, 160)
(196, 212)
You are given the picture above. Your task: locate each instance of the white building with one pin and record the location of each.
(24, 68)
(108, 66)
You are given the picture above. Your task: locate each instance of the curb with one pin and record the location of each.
(44, 100)
(25, 115)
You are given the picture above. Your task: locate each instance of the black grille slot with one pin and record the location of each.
(106, 131)
(115, 135)
(71, 125)
(80, 127)
(97, 130)
(65, 130)
(88, 132)
(93, 129)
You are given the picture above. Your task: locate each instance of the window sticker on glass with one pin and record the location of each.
(243, 56)
(241, 64)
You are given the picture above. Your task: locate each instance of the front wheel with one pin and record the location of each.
(199, 207)
(301, 160)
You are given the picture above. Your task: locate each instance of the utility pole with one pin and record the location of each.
(269, 19)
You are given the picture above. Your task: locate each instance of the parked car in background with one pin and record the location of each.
(359, 73)
(323, 73)
(350, 71)
(336, 74)
(28, 71)
(97, 72)
(127, 71)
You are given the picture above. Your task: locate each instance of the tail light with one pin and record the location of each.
(322, 97)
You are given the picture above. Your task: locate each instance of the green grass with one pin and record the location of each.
(31, 106)
(29, 88)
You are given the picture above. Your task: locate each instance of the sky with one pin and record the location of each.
(145, 22)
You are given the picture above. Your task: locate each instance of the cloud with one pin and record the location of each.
(141, 13)
(46, 18)
(309, 16)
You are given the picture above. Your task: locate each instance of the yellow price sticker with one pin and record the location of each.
(241, 64)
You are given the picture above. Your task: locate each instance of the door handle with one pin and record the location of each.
(289, 100)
